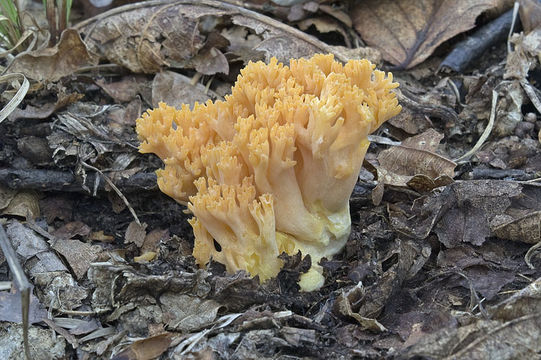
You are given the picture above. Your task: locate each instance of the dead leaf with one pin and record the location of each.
(33, 249)
(51, 64)
(408, 32)
(147, 37)
(525, 56)
(23, 204)
(187, 313)
(124, 90)
(10, 308)
(399, 165)
(324, 25)
(343, 304)
(43, 345)
(471, 211)
(78, 254)
(525, 229)
(153, 239)
(101, 236)
(6, 195)
(59, 290)
(175, 90)
(530, 14)
(72, 229)
(523, 302)
(146, 349)
(135, 233)
(46, 110)
(483, 339)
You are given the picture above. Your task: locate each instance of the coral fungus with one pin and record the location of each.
(271, 168)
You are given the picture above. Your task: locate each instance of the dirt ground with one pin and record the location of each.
(442, 261)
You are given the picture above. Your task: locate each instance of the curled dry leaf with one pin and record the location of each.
(51, 64)
(148, 36)
(414, 163)
(408, 32)
(146, 349)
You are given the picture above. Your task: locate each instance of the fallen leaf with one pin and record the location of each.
(526, 55)
(124, 90)
(10, 308)
(323, 25)
(46, 110)
(101, 236)
(408, 32)
(526, 229)
(51, 64)
(530, 14)
(72, 229)
(78, 254)
(6, 195)
(471, 211)
(343, 304)
(23, 204)
(33, 249)
(135, 233)
(415, 163)
(145, 257)
(187, 313)
(146, 349)
(523, 302)
(147, 37)
(175, 90)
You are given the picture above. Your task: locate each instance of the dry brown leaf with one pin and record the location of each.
(148, 36)
(51, 64)
(407, 32)
(43, 112)
(525, 229)
(530, 14)
(416, 156)
(23, 204)
(78, 254)
(124, 90)
(176, 89)
(6, 195)
(135, 233)
(146, 349)
(323, 25)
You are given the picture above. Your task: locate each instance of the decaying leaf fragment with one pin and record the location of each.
(414, 164)
(471, 211)
(514, 330)
(51, 64)
(407, 32)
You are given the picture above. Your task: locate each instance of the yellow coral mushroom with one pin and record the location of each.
(271, 168)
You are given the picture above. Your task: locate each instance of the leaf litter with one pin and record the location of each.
(443, 259)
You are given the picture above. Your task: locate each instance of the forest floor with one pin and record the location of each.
(442, 261)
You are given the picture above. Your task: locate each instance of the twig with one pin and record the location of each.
(53, 180)
(516, 6)
(474, 46)
(113, 186)
(23, 285)
(487, 131)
